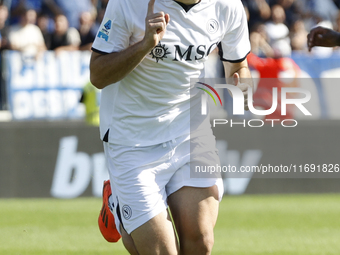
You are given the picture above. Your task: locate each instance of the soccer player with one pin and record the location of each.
(144, 56)
(325, 37)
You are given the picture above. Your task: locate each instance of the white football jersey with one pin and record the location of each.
(153, 104)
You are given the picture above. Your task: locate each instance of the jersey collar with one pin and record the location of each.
(198, 7)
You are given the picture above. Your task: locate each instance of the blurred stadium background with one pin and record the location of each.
(51, 158)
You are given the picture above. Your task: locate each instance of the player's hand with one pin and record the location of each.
(155, 26)
(321, 36)
(243, 87)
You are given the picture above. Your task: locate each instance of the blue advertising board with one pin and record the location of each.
(325, 73)
(48, 87)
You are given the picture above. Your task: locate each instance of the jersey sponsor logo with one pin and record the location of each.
(187, 54)
(212, 26)
(182, 54)
(159, 52)
(127, 212)
(105, 30)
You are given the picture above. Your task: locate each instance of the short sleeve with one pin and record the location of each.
(113, 34)
(235, 45)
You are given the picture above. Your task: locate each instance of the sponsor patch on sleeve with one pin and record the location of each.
(105, 30)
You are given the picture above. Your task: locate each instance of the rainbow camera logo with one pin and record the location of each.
(209, 93)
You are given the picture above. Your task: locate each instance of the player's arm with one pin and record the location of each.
(241, 77)
(234, 48)
(106, 69)
(325, 37)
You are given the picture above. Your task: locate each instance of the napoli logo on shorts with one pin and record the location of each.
(159, 52)
(212, 26)
(127, 212)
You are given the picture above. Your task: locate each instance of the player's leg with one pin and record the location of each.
(194, 211)
(193, 197)
(143, 236)
(139, 176)
(157, 236)
(128, 242)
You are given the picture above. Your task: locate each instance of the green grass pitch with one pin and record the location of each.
(247, 225)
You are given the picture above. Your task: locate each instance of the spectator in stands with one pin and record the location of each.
(293, 10)
(26, 36)
(277, 31)
(101, 11)
(3, 26)
(3, 42)
(337, 3)
(64, 38)
(259, 11)
(7, 3)
(275, 66)
(323, 9)
(298, 36)
(259, 41)
(103, 3)
(87, 30)
(43, 22)
(90, 98)
(95, 3)
(73, 8)
(18, 5)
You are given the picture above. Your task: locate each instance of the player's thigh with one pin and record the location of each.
(157, 236)
(128, 242)
(138, 178)
(194, 211)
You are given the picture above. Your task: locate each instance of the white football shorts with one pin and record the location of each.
(143, 177)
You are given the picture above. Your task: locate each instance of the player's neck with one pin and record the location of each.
(188, 2)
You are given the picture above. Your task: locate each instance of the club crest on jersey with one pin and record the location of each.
(127, 212)
(159, 52)
(105, 30)
(212, 26)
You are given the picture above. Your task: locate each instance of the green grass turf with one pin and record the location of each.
(275, 224)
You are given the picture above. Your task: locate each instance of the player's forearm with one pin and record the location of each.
(240, 68)
(240, 75)
(336, 39)
(245, 76)
(324, 37)
(111, 68)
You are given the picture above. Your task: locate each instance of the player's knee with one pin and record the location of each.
(207, 243)
(200, 243)
(130, 247)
